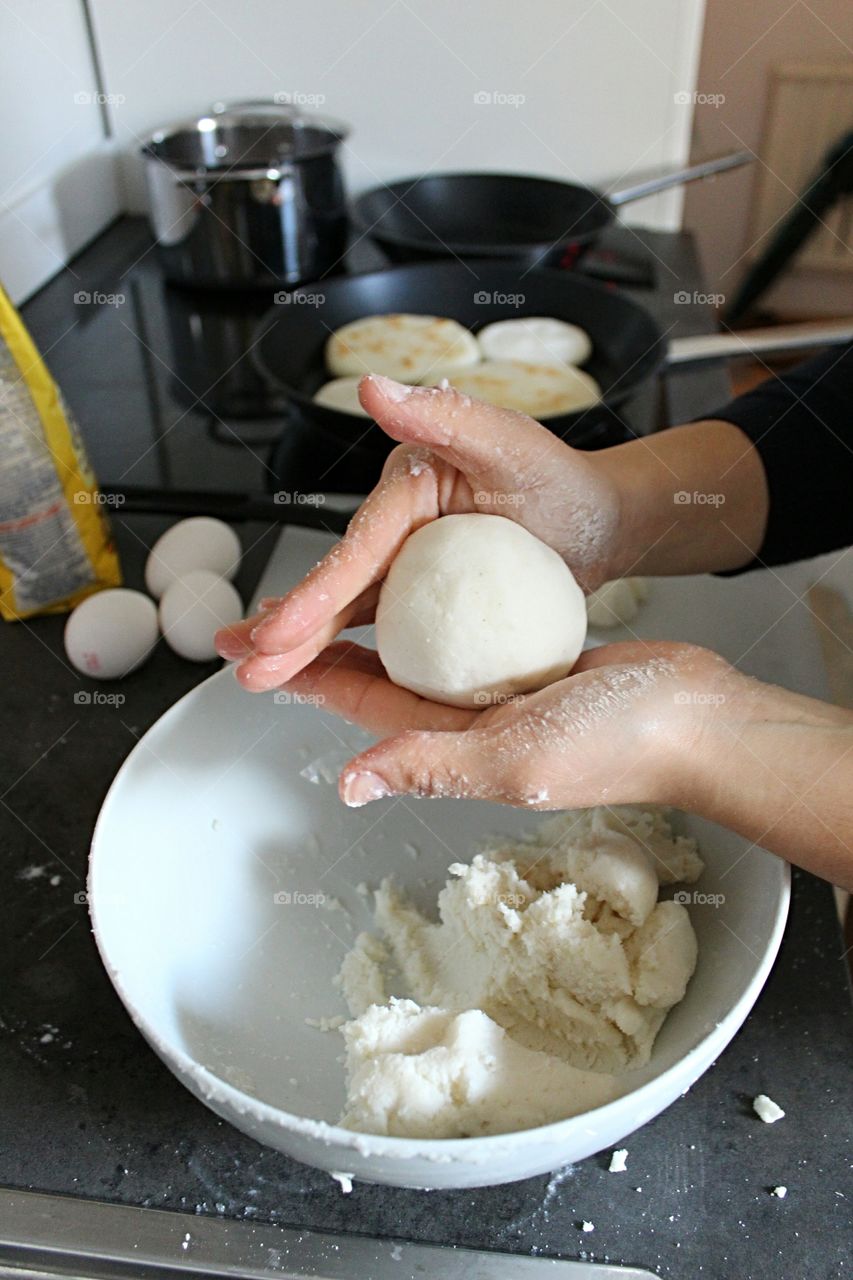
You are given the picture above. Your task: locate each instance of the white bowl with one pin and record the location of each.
(210, 819)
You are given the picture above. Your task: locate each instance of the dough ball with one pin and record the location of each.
(541, 390)
(342, 394)
(402, 346)
(475, 607)
(535, 340)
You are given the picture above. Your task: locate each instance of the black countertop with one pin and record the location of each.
(87, 1109)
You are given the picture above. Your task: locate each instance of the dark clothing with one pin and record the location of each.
(802, 426)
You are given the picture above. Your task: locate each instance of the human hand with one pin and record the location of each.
(457, 456)
(617, 730)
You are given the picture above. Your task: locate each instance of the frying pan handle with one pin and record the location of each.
(662, 181)
(705, 347)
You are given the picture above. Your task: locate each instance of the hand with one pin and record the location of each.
(459, 456)
(616, 730)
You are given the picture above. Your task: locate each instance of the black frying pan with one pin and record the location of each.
(538, 221)
(289, 346)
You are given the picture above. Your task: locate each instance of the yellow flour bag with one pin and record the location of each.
(55, 543)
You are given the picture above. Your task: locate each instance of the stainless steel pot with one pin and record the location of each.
(250, 194)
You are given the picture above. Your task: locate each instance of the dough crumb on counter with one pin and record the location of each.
(617, 1161)
(344, 1180)
(550, 970)
(779, 1192)
(766, 1109)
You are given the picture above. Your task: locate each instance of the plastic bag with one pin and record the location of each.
(55, 543)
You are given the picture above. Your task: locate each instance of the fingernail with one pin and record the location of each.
(361, 788)
(228, 645)
(392, 390)
(257, 633)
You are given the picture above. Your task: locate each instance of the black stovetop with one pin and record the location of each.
(164, 378)
(86, 1108)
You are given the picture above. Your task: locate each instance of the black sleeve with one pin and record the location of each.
(802, 426)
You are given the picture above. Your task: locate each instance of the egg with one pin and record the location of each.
(111, 633)
(192, 610)
(199, 543)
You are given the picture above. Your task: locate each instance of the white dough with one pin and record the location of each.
(342, 394)
(540, 390)
(402, 346)
(429, 1073)
(525, 998)
(536, 340)
(616, 603)
(766, 1109)
(475, 608)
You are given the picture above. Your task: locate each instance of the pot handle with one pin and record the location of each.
(253, 104)
(704, 347)
(663, 180)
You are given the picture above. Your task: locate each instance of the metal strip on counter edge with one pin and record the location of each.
(46, 1236)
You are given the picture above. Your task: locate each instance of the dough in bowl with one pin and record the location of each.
(541, 390)
(402, 346)
(535, 340)
(475, 608)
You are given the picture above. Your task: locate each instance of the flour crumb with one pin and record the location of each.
(766, 1109)
(617, 1160)
(344, 1180)
(326, 1024)
(779, 1192)
(587, 1226)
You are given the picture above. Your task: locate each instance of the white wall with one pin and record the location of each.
(57, 176)
(598, 79)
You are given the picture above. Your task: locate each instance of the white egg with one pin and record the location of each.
(111, 633)
(192, 610)
(199, 543)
